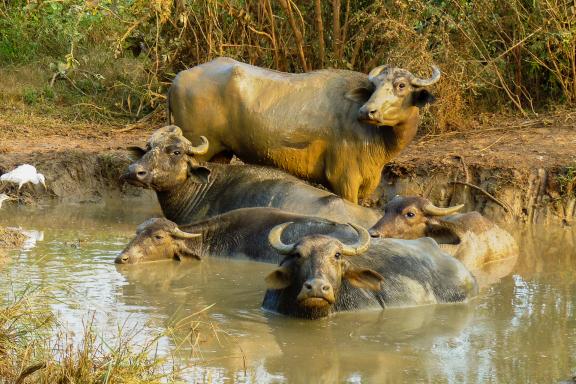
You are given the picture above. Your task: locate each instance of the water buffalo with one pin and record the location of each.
(333, 127)
(320, 275)
(470, 237)
(241, 233)
(188, 190)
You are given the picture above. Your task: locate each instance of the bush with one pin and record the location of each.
(496, 56)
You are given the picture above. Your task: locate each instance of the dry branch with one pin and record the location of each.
(319, 30)
(336, 38)
(297, 33)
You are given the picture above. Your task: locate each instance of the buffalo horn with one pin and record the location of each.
(275, 239)
(433, 210)
(200, 149)
(419, 82)
(361, 245)
(376, 71)
(177, 232)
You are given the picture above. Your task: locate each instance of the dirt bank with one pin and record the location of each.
(528, 171)
(519, 172)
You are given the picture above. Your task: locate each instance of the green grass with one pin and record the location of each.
(567, 180)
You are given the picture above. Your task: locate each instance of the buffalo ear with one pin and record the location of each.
(364, 278)
(136, 152)
(199, 173)
(443, 232)
(359, 95)
(184, 251)
(421, 98)
(278, 279)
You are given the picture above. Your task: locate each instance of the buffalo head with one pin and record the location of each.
(313, 269)
(157, 239)
(167, 161)
(393, 95)
(414, 217)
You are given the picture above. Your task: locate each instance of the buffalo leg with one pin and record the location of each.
(344, 179)
(368, 186)
(347, 188)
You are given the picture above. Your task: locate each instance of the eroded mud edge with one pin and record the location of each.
(537, 195)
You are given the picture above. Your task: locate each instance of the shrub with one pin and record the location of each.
(496, 56)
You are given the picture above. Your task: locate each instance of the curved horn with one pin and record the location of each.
(177, 232)
(433, 210)
(420, 82)
(361, 245)
(200, 149)
(376, 71)
(275, 239)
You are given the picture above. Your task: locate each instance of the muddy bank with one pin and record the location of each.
(514, 194)
(519, 172)
(72, 176)
(505, 194)
(528, 168)
(11, 238)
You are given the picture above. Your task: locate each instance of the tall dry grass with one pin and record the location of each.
(516, 56)
(36, 348)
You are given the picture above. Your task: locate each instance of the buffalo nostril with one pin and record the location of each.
(308, 286)
(371, 114)
(325, 288)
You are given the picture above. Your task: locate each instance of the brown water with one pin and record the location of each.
(521, 329)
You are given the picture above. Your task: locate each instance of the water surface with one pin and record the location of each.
(521, 328)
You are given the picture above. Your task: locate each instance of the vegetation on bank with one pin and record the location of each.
(11, 238)
(36, 348)
(114, 59)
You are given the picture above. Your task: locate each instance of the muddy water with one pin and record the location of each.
(521, 329)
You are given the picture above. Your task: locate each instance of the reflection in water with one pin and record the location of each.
(521, 329)
(33, 236)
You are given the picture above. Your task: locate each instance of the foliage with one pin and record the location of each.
(34, 350)
(567, 180)
(121, 55)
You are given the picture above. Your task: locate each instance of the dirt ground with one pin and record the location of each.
(525, 143)
(528, 166)
(521, 144)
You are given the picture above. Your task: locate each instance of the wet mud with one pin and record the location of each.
(504, 193)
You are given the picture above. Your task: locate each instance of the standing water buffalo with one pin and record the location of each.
(241, 233)
(469, 237)
(320, 275)
(334, 127)
(188, 190)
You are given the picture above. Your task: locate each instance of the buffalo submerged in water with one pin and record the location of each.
(470, 237)
(188, 190)
(320, 275)
(333, 127)
(325, 266)
(239, 234)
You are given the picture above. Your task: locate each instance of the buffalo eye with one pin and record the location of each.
(158, 237)
(176, 153)
(337, 255)
(410, 215)
(401, 85)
